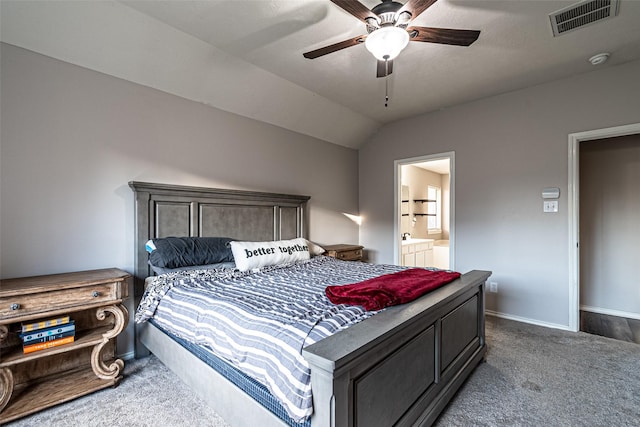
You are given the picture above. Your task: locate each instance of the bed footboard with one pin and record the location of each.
(402, 366)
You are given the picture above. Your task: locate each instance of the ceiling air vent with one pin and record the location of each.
(583, 13)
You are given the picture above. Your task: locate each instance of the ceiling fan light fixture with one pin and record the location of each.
(387, 42)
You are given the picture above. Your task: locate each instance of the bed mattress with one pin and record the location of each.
(247, 384)
(260, 321)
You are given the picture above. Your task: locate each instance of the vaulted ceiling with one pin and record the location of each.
(245, 56)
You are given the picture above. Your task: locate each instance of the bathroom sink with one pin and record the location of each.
(412, 241)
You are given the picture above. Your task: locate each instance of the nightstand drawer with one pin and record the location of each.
(23, 305)
(345, 252)
(353, 255)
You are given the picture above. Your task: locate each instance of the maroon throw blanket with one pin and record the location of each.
(390, 289)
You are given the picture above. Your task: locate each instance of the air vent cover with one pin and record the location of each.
(583, 13)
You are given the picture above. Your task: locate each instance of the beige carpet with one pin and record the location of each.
(533, 376)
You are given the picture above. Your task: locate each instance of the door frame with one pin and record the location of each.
(397, 217)
(573, 211)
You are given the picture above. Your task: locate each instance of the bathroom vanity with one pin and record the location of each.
(417, 252)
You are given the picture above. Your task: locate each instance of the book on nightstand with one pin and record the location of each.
(48, 344)
(48, 334)
(28, 327)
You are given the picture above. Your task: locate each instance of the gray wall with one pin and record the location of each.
(72, 138)
(507, 149)
(610, 224)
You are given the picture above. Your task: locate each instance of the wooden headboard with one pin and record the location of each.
(163, 210)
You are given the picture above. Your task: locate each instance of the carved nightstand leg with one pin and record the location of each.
(100, 368)
(6, 387)
(6, 376)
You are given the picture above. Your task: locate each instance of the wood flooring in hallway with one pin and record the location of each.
(620, 328)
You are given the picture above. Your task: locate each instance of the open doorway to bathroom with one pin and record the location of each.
(425, 211)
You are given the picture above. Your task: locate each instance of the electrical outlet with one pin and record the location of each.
(493, 287)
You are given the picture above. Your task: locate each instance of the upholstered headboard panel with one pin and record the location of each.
(163, 210)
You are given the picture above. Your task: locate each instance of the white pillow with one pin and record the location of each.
(315, 249)
(251, 255)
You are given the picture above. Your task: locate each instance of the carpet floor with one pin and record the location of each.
(533, 376)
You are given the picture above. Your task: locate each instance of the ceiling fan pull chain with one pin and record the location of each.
(386, 91)
(386, 84)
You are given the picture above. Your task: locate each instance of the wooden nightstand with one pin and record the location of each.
(34, 381)
(344, 252)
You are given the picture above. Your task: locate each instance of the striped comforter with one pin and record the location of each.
(260, 321)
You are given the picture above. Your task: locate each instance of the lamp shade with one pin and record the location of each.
(387, 42)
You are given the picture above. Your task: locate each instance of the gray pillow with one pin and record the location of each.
(179, 252)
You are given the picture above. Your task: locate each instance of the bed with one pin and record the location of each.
(399, 367)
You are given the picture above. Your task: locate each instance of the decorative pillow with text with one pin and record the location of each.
(315, 249)
(252, 255)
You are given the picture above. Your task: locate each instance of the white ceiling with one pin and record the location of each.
(245, 56)
(440, 166)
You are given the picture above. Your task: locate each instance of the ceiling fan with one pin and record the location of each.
(388, 31)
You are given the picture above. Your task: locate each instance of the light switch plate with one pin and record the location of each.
(550, 206)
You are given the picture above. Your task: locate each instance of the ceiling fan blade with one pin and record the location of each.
(334, 47)
(416, 7)
(384, 68)
(443, 35)
(357, 9)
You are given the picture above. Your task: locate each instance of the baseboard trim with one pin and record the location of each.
(126, 356)
(616, 313)
(527, 320)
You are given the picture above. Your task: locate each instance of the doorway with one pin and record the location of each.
(575, 253)
(424, 214)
